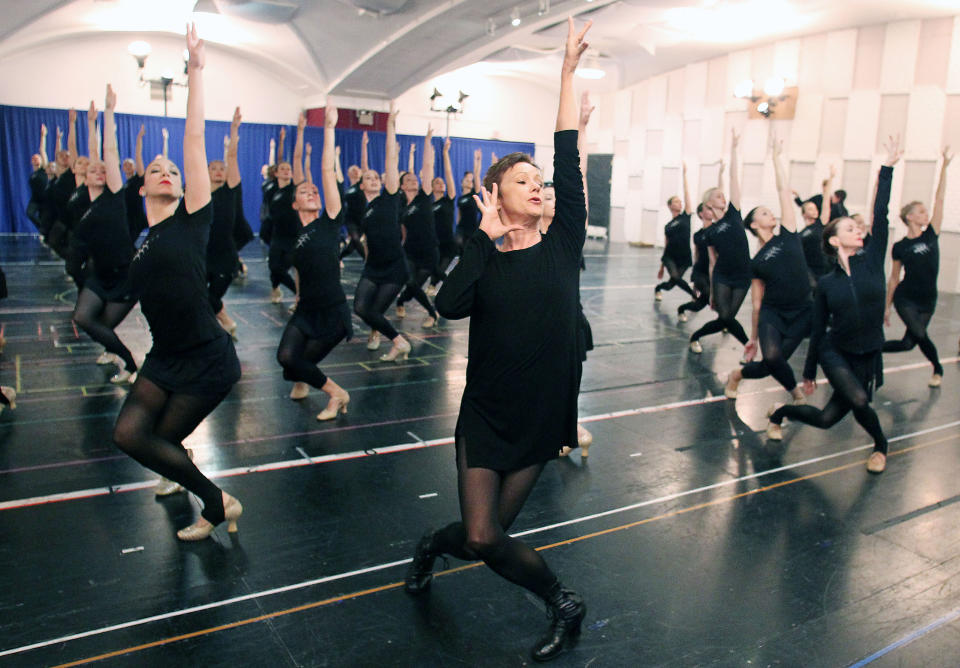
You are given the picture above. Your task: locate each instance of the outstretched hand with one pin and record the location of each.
(586, 109)
(110, 101)
(331, 116)
(947, 156)
(195, 48)
(490, 221)
(92, 113)
(575, 46)
(237, 119)
(141, 131)
(893, 149)
(809, 386)
(446, 145)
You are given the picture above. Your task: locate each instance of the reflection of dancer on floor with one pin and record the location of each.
(918, 255)
(519, 403)
(192, 364)
(847, 335)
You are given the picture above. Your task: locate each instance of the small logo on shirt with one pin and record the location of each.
(143, 248)
(921, 248)
(772, 253)
(303, 239)
(722, 227)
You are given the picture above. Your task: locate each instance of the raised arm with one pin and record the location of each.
(477, 167)
(410, 158)
(138, 153)
(688, 206)
(723, 167)
(272, 155)
(328, 164)
(111, 154)
(788, 216)
(280, 144)
(429, 158)
(166, 140)
(936, 220)
(881, 202)
(567, 113)
(391, 180)
(298, 151)
(734, 171)
(586, 109)
(336, 162)
(93, 146)
(827, 191)
(364, 161)
(196, 177)
(307, 158)
(233, 164)
(72, 137)
(43, 145)
(448, 170)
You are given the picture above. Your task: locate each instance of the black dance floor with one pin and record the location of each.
(694, 540)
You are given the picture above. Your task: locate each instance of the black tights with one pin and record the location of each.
(702, 284)
(98, 318)
(776, 350)
(489, 503)
(353, 242)
(217, 285)
(848, 395)
(727, 300)
(151, 427)
(370, 303)
(414, 289)
(676, 277)
(916, 319)
(299, 355)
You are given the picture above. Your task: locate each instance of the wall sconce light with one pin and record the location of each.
(140, 50)
(777, 101)
(515, 19)
(450, 109)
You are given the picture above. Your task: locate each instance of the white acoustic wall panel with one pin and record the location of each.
(805, 129)
(951, 123)
(812, 64)
(602, 118)
(839, 58)
(621, 114)
(953, 67)
(706, 178)
(754, 140)
(650, 231)
(918, 184)
(899, 61)
(863, 121)
(670, 185)
(893, 118)
(738, 69)
(717, 82)
(857, 179)
(786, 60)
(637, 149)
(616, 232)
(691, 140)
(761, 64)
(869, 59)
(733, 120)
(675, 92)
(833, 126)
(933, 56)
(651, 183)
(618, 181)
(635, 183)
(654, 145)
(638, 106)
(694, 89)
(926, 109)
(656, 101)
(951, 201)
(602, 140)
(621, 149)
(632, 217)
(801, 179)
(751, 185)
(711, 134)
(672, 139)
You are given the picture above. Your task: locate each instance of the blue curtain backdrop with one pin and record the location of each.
(20, 138)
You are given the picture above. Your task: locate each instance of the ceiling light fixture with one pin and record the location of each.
(775, 98)
(140, 49)
(515, 19)
(491, 27)
(543, 6)
(774, 86)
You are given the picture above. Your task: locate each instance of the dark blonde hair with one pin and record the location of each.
(502, 166)
(907, 209)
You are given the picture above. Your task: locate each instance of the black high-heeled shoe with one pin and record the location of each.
(420, 572)
(566, 610)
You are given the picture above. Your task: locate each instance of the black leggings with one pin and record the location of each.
(676, 277)
(279, 262)
(370, 303)
(489, 503)
(727, 300)
(849, 394)
(217, 285)
(776, 350)
(98, 319)
(702, 283)
(353, 242)
(414, 288)
(299, 355)
(151, 427)
(916, 318)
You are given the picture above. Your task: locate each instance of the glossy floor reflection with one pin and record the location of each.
(693, 539)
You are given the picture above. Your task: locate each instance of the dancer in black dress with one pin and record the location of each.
(700, 274)
(419, 233)
(520, 403)
(468, 214)
(38, 183)
(811, 236)
(322, 318)
(443, 215)
(385, 270)
(918, 255)
(729, 258)
(133, 172)
(192, 364)
(354, 203)
(676, 251)
(847, 335)
(782, 309)
(225, 198)
(102, 235)
(283, 222)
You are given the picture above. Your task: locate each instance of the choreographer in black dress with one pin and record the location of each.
(385, 270)
(918, 255)
(729, 258)
(419, 233)
(102, 237)
(676, 251)
(322, 318)
(847, 335)
(520, 401)
(782, 309)
(700, 275)
(443, 217)
(192, 364)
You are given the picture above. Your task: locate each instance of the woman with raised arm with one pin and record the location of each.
(782, 309)
(676, 251)
(420, 243)
(811, 236)
(322, 319)
(102, 236)
(285, 227)
(700, 274)
(468, 213)
(729, 258)
(354, 203)
(520, 401)
(192, 364)
(385, 270)
(443, 214)
(847, 335)
(918, 256)
(133, 172)
(222, 257)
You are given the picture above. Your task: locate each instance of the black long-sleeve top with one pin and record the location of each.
(520, 401)
(849, 308)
